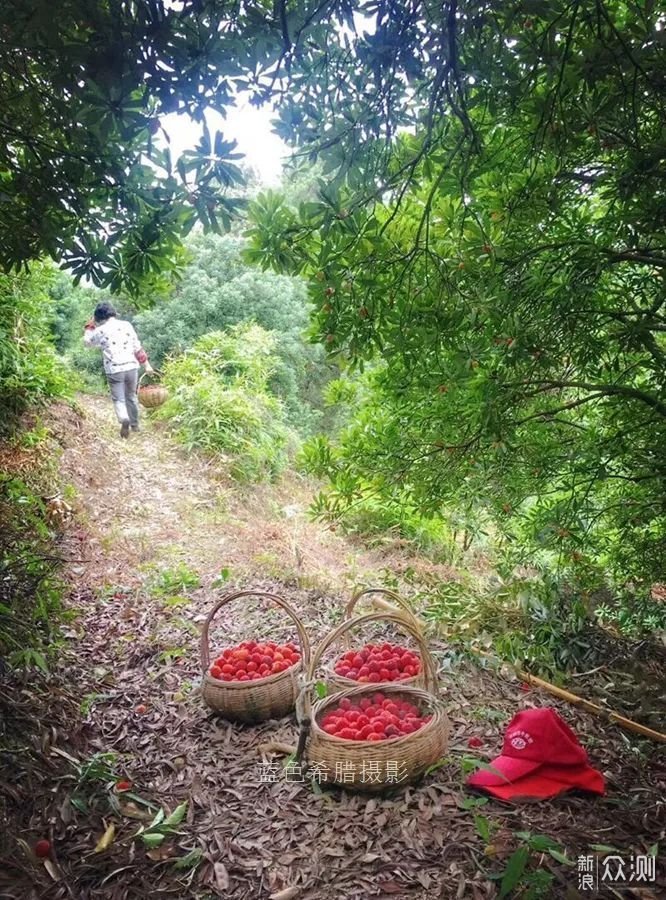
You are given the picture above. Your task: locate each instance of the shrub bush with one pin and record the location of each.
(218, 290)
(31, 587)
(30, 371)
(219, 402)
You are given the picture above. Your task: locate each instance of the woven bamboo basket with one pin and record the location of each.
(254, 701)
(151, 395)
(337, 682)
(372, 767)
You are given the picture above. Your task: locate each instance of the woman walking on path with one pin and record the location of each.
(122, 353)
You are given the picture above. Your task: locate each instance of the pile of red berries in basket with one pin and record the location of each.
(373, 719)
(251, 661)
(378, 662)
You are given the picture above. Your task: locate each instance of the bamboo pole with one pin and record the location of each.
(575, 700)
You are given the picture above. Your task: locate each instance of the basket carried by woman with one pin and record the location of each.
(261, 698)
(151, 395)
(339, 682)
(372, 764)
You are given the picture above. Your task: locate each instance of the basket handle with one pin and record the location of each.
(429, 671)
(382, 605)
(155, 372)
(278, 601)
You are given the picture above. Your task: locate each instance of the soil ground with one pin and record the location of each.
(155, 536)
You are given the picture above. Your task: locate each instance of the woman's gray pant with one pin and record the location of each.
(123, 393)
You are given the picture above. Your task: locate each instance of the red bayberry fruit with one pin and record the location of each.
(141, 709)
(475, 742)
(42, 849)
(346, 733)
(123, 786)
(215, 671)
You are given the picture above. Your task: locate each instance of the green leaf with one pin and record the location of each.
(159, 818)
(482, 825)
(561, 857)
(140, 800)
(153, 840)
(514, 870)
(190, 861)
(177, 815)
(79, 803)
(321, 690)
(444, 761)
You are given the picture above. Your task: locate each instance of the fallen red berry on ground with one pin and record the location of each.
(42, 849)
(123, 785)
(475, 742)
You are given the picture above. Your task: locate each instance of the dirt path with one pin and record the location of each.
(148, 504)
(156, 535)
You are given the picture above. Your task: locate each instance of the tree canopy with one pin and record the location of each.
(501, 259)
(85, 173)
(488, 235)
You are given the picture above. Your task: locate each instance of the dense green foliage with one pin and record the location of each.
(217, 290)
(488, 242)
(81, 92)
(507, 282)
(30, 585)
(31, 375)
(30, 372)
(219, 401)
(82, 88)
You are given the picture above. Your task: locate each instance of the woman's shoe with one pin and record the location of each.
(124, 429)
